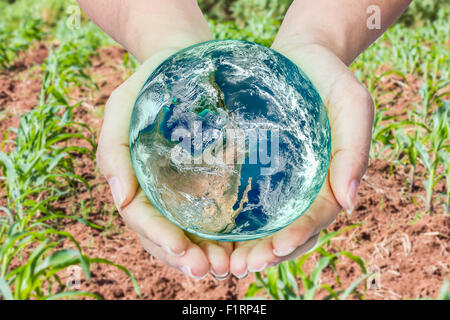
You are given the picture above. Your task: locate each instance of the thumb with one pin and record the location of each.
(350, 109)
(113, 155)
(350, 112)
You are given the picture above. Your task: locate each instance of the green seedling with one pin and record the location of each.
(437, 154)
(40, 171)
(280, 282)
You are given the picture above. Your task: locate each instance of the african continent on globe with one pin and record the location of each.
(230, 140)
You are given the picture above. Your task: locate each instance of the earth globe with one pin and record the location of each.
(230, 140)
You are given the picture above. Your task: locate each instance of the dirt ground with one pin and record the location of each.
(406, 249)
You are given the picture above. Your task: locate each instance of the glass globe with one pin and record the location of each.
(230, 140)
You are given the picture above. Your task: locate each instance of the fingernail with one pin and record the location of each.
(283, 253)
(352, 195)
(242, 276)
(116, 190)
(218, 275)
(263, 267)
(220, 279)
(187, 270)
(172, 253)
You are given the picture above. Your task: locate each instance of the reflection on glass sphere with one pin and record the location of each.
(230, 140)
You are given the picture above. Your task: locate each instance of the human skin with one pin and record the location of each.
(322, 37)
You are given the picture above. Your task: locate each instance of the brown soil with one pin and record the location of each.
(406, 249)
(20, 86)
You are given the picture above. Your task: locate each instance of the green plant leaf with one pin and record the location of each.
(5, 291)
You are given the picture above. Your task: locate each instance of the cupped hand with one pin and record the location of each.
(162, 239)
(350, 112)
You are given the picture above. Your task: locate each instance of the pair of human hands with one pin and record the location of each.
(350, 111)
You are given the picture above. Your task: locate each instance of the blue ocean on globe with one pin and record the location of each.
(230, 140)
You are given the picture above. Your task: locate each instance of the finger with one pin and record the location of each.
(322, 213)
(218, 258)
(114, 161)
(141, 216)
(113, 157)
(226, 246)
(218, 254)
(351, 118)
(156, 251)
(350, 111)
(261, 256)
(308, 246)
(238, 259)
(194, 263)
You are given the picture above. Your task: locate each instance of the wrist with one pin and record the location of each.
(341, 26)
(314, 37)
(150, 27)
(142, 45)
(145, 27)
(326, 23)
